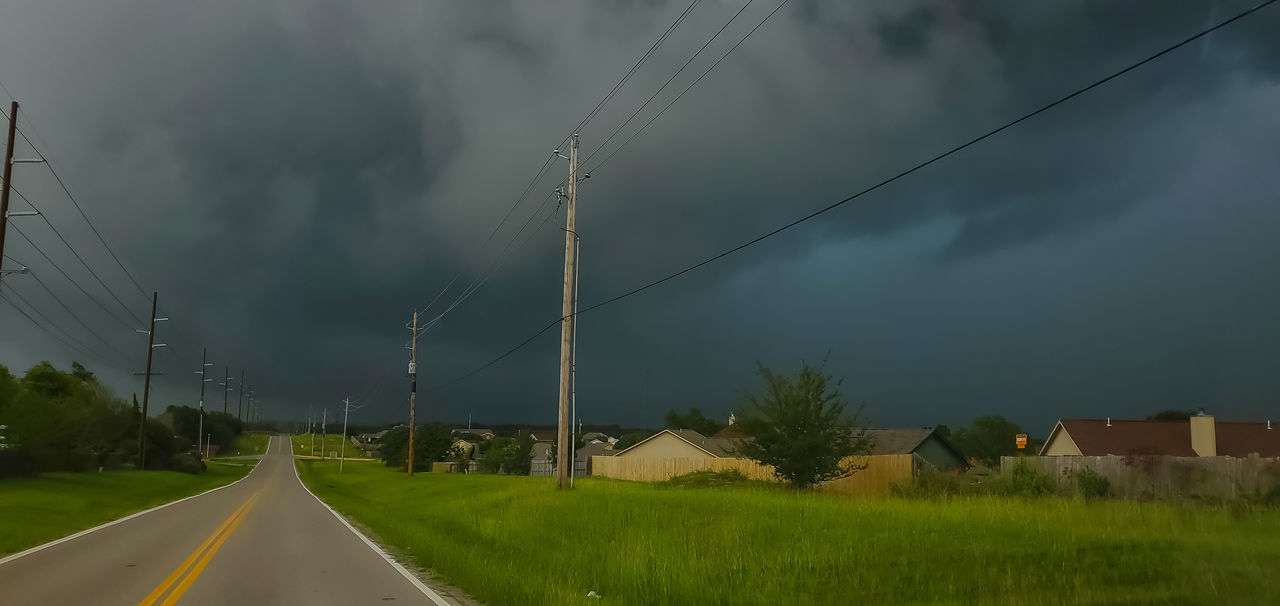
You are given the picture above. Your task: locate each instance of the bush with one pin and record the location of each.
(186, 462)
(933, 483)
(1023, 481)
(1092, 485)
(710, 479)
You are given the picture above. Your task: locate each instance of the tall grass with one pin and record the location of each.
(52, 505)
(515, 540)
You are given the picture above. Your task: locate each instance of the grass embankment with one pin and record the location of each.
(52, 505)
(330, 444)
(515, 540)
(248, 443)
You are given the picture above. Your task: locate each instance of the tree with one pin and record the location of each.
(431, 442)
(631, 439)
(1171, 415)
(987, 439)
(694, 420)
(802, 430)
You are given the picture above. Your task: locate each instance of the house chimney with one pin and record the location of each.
(732, 419)
(1108, 421)
(1204, 436)
(1268, 423)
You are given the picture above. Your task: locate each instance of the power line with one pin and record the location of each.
(870, 189)
(638, 63)
(80, 347)
(69, 347)
(685, 91)
(581, 124)
(68, 277)
(73, 314)
(79, 258)
(668, 82)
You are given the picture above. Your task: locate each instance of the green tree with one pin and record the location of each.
(988, 439)
(802, 430)
(431, 442)
(1171, 415)
(629, 439)
(694, 419)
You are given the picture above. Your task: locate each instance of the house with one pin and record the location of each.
(1201, 436)
(923, 442)
(682, 443)
(582, 457)
(595, 437)
(545, 436)
(486, 434)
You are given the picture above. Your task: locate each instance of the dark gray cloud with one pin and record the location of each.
(296, 177)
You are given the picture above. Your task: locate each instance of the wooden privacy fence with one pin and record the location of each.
(1162, 477)
(876, 480)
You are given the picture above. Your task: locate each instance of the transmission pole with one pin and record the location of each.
(226, 380)
(311, 429)
(146, 384)
(566, 323)
(413, 382)
(240, 397)
(324, 431)
(204, 366)
(8, 174)
(346, 411)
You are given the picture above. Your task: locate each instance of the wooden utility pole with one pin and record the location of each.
(563, 437)
(413, 382)
(204, 366)
(346, 411)
(324, 430)
(226, 380)
(8, 175)
(146, 386)
(240, 397)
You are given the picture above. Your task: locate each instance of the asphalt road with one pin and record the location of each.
(263, 540)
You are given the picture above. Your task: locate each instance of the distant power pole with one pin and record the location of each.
(146, 382)
(8, 174)
(324, 431)
(226, 386)
(413, 382)
(311, 429)
(566, 323)
(240, 397)
(204, 365)
(346, 411)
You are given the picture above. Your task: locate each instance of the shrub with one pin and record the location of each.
(1092, 485)
(1023, 481)
(186, 463)
(930, 483)
(710, 479)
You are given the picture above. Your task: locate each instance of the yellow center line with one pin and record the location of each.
(216, 539)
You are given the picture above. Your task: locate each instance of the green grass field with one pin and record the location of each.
(515, 540)
(332, 444)
(52, 505)
(248, 443)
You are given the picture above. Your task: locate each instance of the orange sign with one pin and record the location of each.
(1022, 441)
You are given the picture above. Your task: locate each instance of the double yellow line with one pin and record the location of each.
(191, 568)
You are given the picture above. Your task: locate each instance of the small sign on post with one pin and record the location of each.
(1021, 440)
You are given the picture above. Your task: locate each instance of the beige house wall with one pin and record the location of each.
(1204, 436)
(1060, 445)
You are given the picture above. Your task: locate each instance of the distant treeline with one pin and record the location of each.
(68, 421)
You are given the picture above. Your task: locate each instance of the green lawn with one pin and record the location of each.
(515, 540)
(332, 444)
(52, 505)
(248, 443)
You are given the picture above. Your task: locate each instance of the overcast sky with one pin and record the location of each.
(296, 177)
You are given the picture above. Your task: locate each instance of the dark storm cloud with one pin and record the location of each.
(297, 177)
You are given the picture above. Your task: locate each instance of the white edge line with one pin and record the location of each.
(435, 597)
(12, 557)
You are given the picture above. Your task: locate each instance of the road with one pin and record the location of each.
(263, 540)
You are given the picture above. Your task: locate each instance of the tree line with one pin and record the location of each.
(55, 420)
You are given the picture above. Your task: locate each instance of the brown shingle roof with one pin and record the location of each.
(896, 441)
(732, 431)
(716, 446)
(1095, 438)
(1244, 439)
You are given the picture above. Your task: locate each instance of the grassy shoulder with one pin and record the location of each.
(514, 540)
(52, 505)
(330, 444)
(249, 443)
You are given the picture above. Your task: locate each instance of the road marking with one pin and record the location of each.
(432, 595)
(209, 547)
(12, 557)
